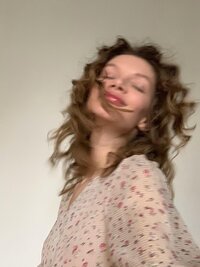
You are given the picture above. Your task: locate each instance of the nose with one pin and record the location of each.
(118, 84)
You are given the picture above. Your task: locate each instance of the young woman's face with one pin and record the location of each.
(129, 84)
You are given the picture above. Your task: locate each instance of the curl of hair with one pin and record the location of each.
(167, 121)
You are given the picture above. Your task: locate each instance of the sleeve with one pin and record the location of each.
(144, 227)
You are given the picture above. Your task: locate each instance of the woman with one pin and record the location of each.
(117, 203)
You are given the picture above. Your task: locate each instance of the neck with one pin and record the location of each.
(103, 141)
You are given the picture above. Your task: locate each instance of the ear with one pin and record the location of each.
(143, 124)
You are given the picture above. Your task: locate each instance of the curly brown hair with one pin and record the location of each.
(167, 121)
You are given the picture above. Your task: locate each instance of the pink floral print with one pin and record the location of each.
(127, 219)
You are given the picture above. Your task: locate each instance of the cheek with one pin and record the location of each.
(94, 104)
(141, 104)
(92, 98)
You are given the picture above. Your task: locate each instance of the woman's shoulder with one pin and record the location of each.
(139, 178)
(140, 159)
(140, 163)
(138, 169)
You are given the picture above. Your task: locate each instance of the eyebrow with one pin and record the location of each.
(134, 74)
(143, 76)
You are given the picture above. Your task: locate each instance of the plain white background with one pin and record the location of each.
(44, 44)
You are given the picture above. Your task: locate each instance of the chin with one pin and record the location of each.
(103, 117)
(98, 111)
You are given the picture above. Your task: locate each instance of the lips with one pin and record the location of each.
(116, 100)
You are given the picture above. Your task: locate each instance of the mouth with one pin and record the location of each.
(113, 99)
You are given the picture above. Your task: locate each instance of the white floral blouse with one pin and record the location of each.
(127, 219)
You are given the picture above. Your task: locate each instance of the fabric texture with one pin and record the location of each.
(127, 219)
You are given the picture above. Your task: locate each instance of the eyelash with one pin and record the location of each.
(138, 88)
(110, 77)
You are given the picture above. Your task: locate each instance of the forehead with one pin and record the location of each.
(130, 64)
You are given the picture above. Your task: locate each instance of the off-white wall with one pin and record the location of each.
(44, 44)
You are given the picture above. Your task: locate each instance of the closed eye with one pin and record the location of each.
(110, 77)
(138, 88)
